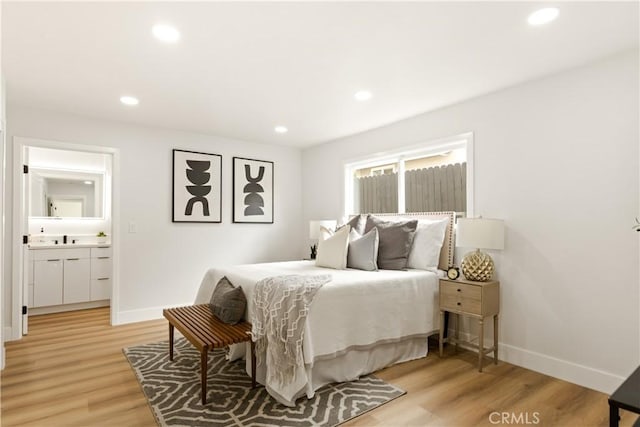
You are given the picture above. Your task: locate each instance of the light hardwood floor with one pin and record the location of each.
(70, 371)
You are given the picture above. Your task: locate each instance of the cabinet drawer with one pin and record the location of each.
(49, 254)
(454, 302)
(461, 289)
(100, 268)
(101, 251)
(100, 289)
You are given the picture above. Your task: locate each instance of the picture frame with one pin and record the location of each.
(252, 191)
(197, 187)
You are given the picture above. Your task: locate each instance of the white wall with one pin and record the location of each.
(163, 263)
(569, 273)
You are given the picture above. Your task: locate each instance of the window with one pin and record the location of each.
(383, 170)
(431, 177)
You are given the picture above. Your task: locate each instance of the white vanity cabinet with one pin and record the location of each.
(75, 283)
(47, 282)
(100, 273)
(76, 275)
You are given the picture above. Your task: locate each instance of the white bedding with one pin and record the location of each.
(357, 310)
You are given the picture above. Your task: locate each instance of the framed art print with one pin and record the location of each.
(252, 191)
(197, 187)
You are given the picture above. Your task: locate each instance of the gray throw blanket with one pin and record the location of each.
(280, 308)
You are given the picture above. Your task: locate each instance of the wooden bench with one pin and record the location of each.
(206, 332)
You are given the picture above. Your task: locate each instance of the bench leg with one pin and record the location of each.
(203, 374)
(253, 364)
(170, 341)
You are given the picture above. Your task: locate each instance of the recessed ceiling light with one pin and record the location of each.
(88, 182)
(166, 33)
(129, 100)
(281, 129)
(363, 95)
(543, 16)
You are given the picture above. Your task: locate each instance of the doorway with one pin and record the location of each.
(64, 197)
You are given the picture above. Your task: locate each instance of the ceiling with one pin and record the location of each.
(240, 69)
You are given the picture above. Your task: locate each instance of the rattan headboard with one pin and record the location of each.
(447, 251)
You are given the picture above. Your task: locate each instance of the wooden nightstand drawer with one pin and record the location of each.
(460, 289)
(457, 303)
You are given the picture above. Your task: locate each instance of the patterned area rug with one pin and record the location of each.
(173, 391)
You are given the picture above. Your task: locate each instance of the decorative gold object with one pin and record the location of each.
(480, 233)
(477, 266)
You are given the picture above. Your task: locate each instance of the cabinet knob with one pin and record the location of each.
(459, 303)
(459, 290)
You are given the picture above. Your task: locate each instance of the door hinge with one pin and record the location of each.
(24, 309)
(25, 168)
(25, 239)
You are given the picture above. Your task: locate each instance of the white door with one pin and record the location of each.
(26, 264)
(77, 278)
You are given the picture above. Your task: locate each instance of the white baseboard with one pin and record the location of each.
(7, 334)
(36, 311)
(143, 314)
(585, 376)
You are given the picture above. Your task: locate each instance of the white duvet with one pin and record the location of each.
(356, 310)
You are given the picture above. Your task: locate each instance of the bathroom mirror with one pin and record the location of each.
(66, 194)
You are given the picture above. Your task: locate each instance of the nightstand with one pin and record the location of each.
(473, 299)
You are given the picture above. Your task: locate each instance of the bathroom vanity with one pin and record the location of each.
(68, 277)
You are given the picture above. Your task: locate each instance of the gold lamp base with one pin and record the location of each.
(477, 266)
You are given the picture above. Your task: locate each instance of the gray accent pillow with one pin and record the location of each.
(363, 251)
(395, 238)
(357, 223)
(228, 303)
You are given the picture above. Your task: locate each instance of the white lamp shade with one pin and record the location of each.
(314, 227)
(480, 233)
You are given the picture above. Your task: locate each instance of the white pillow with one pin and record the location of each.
(332, 249)
(427, 243)
(363, 250)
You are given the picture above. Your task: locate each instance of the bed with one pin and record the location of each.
(359, 322)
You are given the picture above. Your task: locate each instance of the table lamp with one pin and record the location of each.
(479, 233)
(314, 232)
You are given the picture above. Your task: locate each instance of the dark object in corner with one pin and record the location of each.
(314, 252)
(627, 397)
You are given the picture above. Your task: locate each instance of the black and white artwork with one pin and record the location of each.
(252, 191)
(197, 189)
